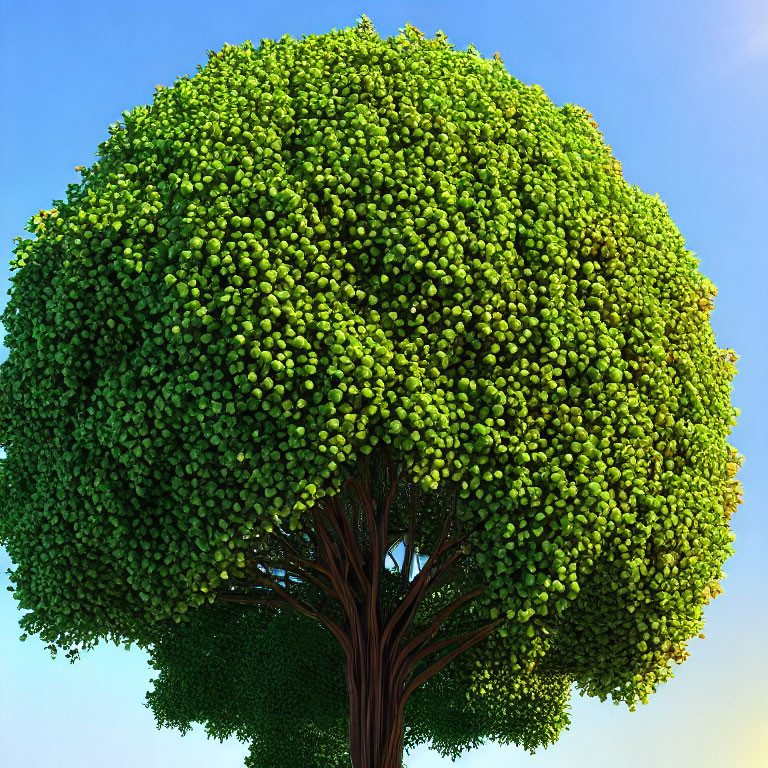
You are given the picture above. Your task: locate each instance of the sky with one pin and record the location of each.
(679, 90)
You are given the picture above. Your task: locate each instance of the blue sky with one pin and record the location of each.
(680, 91)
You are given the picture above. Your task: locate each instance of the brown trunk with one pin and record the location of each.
(375, 707)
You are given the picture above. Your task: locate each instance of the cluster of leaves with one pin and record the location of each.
(316, 246)
(275, 679)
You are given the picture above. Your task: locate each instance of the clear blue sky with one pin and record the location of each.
(680, 90)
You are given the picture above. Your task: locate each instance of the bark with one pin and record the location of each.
(376, 718)
(344, 556)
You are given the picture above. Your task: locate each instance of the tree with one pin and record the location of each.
(336, 294)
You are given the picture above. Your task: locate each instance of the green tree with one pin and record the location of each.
(334, 295)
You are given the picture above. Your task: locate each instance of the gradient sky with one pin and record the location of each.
(680, 91)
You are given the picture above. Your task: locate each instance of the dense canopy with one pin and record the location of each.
(316, 247)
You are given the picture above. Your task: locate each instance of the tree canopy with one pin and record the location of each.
(315, 250)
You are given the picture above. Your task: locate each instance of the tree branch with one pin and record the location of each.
(471, 638)
(409, 544)
(338, 579)
(250, 600)
(405, 612)
(428, 632)
(352, 554)
(288, 545)
(394, 481)
(288, 599)
(297, 569)
(299, 605)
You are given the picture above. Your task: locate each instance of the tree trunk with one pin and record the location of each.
(376, 705)
(382, 655)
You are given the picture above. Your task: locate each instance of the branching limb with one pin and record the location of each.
(286, 598)
(331, 557)
(250, 600)
(298, 569)
(406, 610)
(340, 525)
(429, 631)
(469, 639)
(409, 543)
(287, 545)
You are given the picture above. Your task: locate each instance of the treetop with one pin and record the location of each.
(317, 250)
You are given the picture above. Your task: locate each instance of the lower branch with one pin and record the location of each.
(471, 638)
(281, 597)
(429, 631)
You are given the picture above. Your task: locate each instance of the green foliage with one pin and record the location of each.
(275, 679)
(317, 246)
